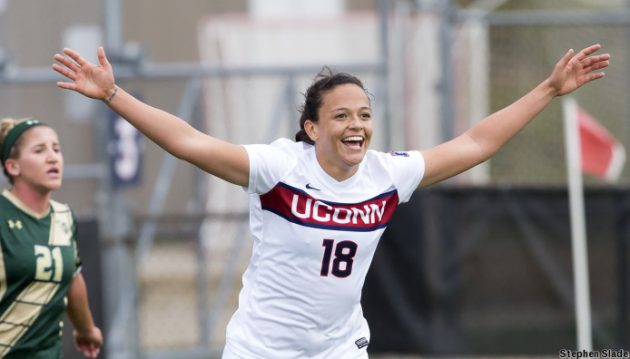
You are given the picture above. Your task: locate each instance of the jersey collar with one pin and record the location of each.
(24, 208)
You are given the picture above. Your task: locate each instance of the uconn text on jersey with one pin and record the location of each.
(301, 208)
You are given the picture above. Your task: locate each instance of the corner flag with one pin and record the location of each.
(602, 155)
(590, 149)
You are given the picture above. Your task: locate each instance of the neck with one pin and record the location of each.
(38, 202)
(339, 172)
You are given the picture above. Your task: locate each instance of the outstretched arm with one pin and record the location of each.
(484, 139)
(220, 158)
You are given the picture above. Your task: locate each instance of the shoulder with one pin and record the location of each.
(283, 143)
(404, 168)
(4, 202)
(59, 207)
(63, 215)
(291, 147)
(9, 205)
(5, 198)
(281, 150)
(62, 209)
(393, 157)
(268, 164)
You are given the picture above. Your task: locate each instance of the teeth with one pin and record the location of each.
(353, 138)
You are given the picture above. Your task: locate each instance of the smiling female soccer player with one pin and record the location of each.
(319, 205)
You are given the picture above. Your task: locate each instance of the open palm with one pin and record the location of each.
(91, 80)
(573, 71)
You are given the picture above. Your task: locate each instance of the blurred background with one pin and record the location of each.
(479, 265)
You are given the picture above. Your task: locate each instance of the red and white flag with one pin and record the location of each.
(591, 149)
(602, 155)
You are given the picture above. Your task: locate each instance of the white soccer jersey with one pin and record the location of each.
(314, 238)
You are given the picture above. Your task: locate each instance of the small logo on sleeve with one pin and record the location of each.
(362, 342)
(399, 153)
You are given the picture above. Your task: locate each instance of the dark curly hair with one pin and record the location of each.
(325, 80)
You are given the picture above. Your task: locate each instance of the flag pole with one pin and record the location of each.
(578, 226)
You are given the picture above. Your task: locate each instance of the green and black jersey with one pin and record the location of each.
(38, 259)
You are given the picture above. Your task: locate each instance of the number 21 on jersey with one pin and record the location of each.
(49, 263)
(344, 252)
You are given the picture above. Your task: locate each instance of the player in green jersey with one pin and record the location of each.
(40, 275)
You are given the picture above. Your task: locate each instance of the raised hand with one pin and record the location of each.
(88, 79)
(573, 71)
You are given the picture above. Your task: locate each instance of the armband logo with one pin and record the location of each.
(399, 153)
(362, 342)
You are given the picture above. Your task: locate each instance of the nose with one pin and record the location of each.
(53, 156)
(356, 123)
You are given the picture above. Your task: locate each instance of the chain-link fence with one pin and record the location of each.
(521, 56)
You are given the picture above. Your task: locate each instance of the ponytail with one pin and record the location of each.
(301, 135)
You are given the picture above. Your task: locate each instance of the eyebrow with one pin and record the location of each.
(43, 144)
(346, 109)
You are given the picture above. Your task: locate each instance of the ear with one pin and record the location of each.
(12, 167)
(311, 129)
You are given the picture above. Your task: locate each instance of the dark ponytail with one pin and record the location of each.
(325, 80)
(301, 135)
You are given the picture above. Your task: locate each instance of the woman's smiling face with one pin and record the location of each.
(344, 129)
